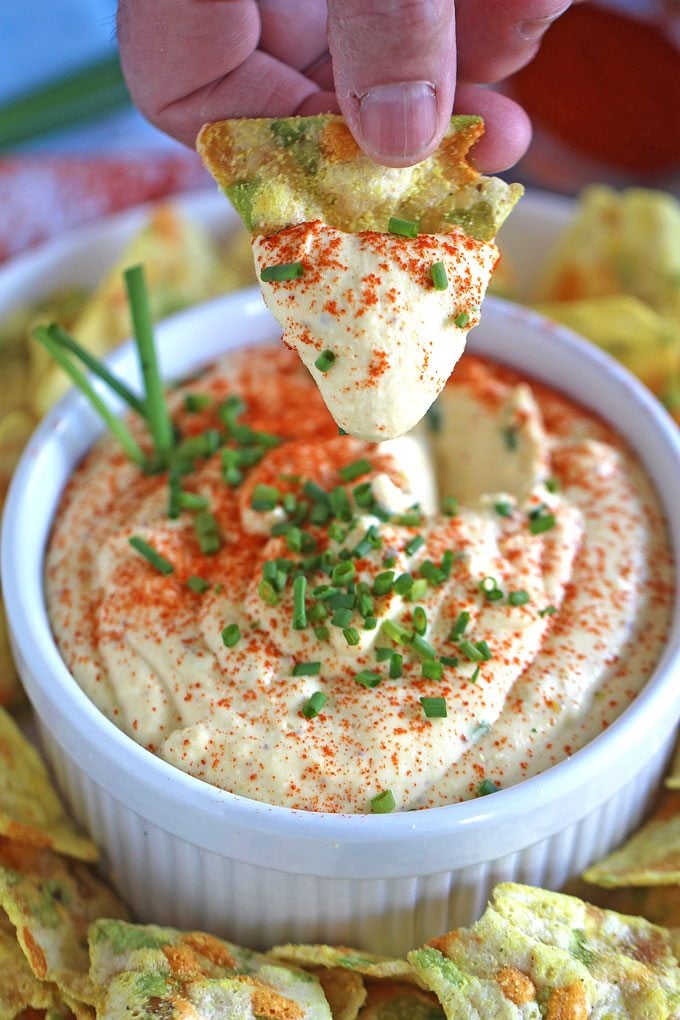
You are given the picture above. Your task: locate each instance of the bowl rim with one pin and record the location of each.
(52, 686)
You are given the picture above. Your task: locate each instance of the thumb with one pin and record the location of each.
(394, 63)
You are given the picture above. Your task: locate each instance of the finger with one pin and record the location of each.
(321, 71)
(507, 133)
(496, 39)
(320, 102)
(293, 32)
(395, 70)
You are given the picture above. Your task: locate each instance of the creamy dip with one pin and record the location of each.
(368, 302)
(530, 613)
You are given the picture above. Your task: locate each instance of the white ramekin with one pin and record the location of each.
(182, 852)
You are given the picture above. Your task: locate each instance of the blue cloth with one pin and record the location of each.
(44, 39)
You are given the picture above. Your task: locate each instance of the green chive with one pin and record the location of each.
(383, 803)
(419, 589)
(438, 275)
(432, 572)
(389, 561)
(230, 409)
(395, 632)
(192, 501)
(411, 520)
(319, 513)
(355, 470)
(207, 532)
(470, 651)
(548, 611)
(351, 635)
(419, 620)
(368, 678)
(365, 605)
(503, 508)
(202, 445)
(414, 545)
(341, 618)
(342, 600)
(152, 555)
(539, 524)
(396, 664)
(490, 589)
(448, 660)
(264, 497)
(518, 598)
(307, 669)
(486, 787)
(382, 653)
(231, 635)
(322, 633)
(448, 560)
(423, 647)
(299, 605)
(484, 650)
(340, 504)
(370, 622)
(449, 506)
(552, 484)
(160, 424)
(405, 228)
(196, 402)
(282, 271)
(475, 675)
(268, 593)
(510, 437)
(461, 320)
(363, 495)
(403, 584)
(382, 584)
(335, 532)
(324, 361)
(434, 708)
(314, 705)
(432, 670)
(343, 572)
(198, 584)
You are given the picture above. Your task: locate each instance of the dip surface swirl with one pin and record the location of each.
(534, 608)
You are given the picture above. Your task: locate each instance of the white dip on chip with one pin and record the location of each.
(333, 625)
(368, 321)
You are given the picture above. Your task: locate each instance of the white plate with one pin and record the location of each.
(84, 255)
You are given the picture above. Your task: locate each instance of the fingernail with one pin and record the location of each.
(398, 120)
(532, 30)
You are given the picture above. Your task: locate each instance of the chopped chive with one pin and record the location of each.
(351, 635)
(230, 409)
(314, 704)
(282, 271)
(370, 622)
(416, 543)
(355, 470)
(151, 555)
(322, 633)
(461, 320)
(434, 708)
(160, 424)
(340, 504)
(383, 803)
(289, 502)
(207, 532)
(325, 360)
(294, 539)
(432, 572)
(422, 646)
(382, 653)
(475, 675)
(438, 276)
(196, 402)
(382, 584)
(368, 678)
(490, 589)
(448, 660)
(419, 589)
(371, 540)
(518, 598)
(198, 584)
(335, 532)
(299, 604)
(449, 506)
(44, 335)
(307, 669)
(192, 501)
(324, 591)
(548, 611)
(432, 670)
(365, 605)
(470, 651)
(315, 492)
(395, 632)
(405, 228)
(389, 561)
(448, 560)
(510, 437)
(396, 666)
(341, 618)
(410, 520)
(319, 513)
(403, 584)
(231, 635)
(264, 497)
(342, 600)
(419, 620)
(202, 445)
(318, 613)
(486, 787)
(341, 431)
(503, 508)
(539, 524)
(268, 593)
(552, 484)
(484, 650)
(343, 573)
(363, 495)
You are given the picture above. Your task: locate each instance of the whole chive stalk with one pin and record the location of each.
(114, 424)
(157, 411)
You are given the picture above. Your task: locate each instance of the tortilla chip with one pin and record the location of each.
(535, 953)
(650, 857)
(344, 990)
(278, 173)
(131, 964)
(368, 964)
(30, 811)
(394, 1000)
(19, 987)
(51, 900)
(182, 268)
(658, 904)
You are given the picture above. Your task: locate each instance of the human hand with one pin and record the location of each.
(394, 68)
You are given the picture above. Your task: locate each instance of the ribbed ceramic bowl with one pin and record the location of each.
(182, 852)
